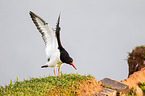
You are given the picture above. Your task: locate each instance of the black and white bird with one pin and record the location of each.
(55, 52)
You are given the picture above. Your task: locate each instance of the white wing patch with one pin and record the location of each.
(48, 34)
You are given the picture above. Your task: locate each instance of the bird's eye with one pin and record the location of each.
(69, 60)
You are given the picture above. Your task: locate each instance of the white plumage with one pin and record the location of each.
(55, 53)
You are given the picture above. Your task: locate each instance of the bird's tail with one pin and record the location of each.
(44, 66)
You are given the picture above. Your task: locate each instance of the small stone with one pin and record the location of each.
(116, 85)
(107, 92)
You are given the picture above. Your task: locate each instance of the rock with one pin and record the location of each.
(107, 92)
(116, 85)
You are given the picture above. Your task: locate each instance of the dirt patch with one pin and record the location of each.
(134, 80)
(87, 88)
(91, 87)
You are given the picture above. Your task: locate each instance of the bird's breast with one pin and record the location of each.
(55, 59)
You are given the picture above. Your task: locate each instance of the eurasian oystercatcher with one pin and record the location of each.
(55, 53)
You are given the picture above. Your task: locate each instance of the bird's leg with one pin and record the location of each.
(54, 72)
(59, 71)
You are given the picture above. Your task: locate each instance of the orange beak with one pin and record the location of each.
(73, 65)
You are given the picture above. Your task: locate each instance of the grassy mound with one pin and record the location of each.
(67, 84)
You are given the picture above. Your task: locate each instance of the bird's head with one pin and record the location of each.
(65, 58)
(70, 61)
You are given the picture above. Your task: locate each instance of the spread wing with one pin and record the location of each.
(58, 34)
(48, 34)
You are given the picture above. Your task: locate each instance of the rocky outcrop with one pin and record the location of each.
(127, 86)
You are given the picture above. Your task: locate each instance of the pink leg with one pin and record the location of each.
(59, 71)
(54, 72)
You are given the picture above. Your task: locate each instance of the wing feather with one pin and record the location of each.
(47, 32)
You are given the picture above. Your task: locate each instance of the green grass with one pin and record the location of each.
(139, 47)
(142, 86)
(67, 84)
(132, 92)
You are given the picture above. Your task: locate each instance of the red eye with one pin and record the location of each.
(68, 60)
